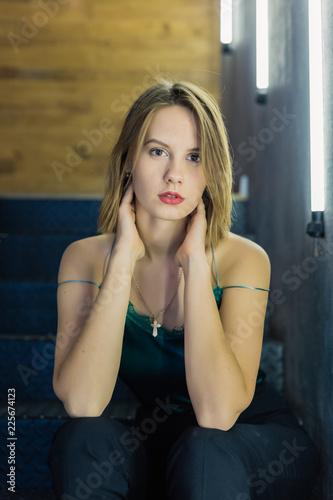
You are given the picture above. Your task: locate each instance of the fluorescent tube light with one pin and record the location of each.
(262, 45)
(226, 22)
(316, 108)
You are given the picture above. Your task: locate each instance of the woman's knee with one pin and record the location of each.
(203, 463)
(91, 453)
(190, 444)
(200, 443)
(95, 437)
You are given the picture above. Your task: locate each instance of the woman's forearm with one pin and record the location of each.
(86, 378)
(214, 378)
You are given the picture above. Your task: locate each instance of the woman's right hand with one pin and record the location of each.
(127, 233)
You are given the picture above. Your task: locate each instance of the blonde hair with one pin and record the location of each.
(215, 154)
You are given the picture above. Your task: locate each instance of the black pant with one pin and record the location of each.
(157, 458)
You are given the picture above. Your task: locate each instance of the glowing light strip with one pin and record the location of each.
(226, 22)
(262, 44)
(316, 107)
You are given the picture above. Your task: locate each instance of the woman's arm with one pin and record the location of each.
(222, 348)
(91, 322)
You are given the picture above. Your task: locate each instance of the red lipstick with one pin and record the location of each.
(171, 198)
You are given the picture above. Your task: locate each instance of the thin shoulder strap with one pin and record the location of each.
(217, 276)
(234, 286)
(79, 281)
(87, 281)
(250, 287)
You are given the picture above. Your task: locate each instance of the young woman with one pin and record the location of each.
(143, 301)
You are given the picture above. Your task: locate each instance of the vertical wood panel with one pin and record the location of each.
(70, 68)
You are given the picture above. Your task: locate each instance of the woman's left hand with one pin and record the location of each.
(194, 241)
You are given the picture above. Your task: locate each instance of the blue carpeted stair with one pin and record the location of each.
(33, 236)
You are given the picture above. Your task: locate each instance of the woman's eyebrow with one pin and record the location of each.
(158, 141)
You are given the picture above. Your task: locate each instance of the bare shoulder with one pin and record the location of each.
(241, 261)
(86, 259)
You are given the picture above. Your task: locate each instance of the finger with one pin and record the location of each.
(191, 215)
(199, 209)
(201, 206)
(128, 195)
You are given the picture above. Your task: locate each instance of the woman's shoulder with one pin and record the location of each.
(92, 245)
(238, 246)
(241, 261)
(86, 259)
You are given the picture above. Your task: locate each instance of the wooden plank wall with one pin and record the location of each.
(70, 68)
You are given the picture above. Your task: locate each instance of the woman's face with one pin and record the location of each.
(168, 177)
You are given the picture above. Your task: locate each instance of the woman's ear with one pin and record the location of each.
(126, 180)
(125, 183)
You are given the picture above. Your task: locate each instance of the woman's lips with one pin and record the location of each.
(171, 198)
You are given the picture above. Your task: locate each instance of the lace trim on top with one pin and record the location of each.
(144, 321)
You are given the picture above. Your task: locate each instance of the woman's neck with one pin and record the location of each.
(161, 238)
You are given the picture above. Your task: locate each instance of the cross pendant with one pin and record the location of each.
(155, 325)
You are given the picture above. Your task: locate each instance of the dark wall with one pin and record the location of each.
(271, 145)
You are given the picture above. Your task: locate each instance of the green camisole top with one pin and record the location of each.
(154, 367)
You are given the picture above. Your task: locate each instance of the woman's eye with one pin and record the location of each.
(194, 157)
(157, 152)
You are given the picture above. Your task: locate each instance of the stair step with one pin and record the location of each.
(31, 448)
(28, 307)
(49, 216)
(33, 257)
(27, 366)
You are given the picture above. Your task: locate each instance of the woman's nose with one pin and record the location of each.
(174, 172)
